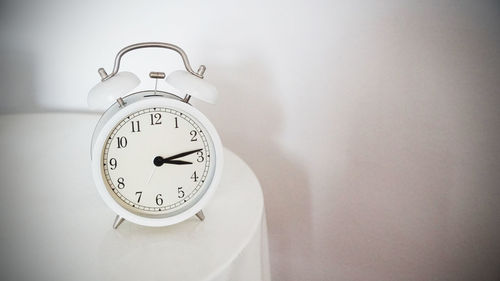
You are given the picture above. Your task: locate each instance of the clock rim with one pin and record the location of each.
(136, 102)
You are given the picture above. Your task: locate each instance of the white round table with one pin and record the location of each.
(54, 225)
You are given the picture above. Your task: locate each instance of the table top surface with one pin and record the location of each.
(54, 223)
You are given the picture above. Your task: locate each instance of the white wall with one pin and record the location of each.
(372, 126)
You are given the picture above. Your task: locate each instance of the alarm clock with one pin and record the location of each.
(156, 160)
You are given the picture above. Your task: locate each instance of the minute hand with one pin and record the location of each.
(182, 154)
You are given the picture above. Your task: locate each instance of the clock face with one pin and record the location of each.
(157, 161)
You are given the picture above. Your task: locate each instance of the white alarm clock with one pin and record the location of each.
(156, 160)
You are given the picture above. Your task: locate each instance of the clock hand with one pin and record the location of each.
(176, 162)
(158, 161)
(179, 155)
(151, 175)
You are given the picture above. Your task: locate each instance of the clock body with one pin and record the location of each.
(155, 159)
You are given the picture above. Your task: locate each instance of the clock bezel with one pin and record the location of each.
(136, 102)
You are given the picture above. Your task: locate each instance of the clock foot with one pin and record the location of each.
(200, 215)
(118, 221)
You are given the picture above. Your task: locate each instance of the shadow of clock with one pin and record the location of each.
(250, 120)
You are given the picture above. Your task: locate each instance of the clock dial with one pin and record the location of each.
(157, 161)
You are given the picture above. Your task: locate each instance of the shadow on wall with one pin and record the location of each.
(250, 121)
(17, 90)
(419, 197)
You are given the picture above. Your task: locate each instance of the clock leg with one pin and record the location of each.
(200, 215)
(118, 221)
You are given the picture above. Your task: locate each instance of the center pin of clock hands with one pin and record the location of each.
(158, 160)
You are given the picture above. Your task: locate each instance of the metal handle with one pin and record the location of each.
(116, 67)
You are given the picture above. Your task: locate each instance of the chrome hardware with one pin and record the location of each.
(157, 75)
(173, 47)
(200, 215)
(120, 102)
(102, 73)
(118, 221)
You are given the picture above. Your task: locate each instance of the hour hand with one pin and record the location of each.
(158, 161)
